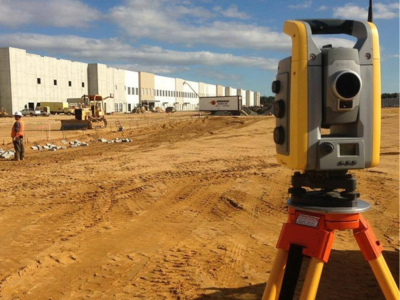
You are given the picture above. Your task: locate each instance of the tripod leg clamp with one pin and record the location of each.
(370, 246)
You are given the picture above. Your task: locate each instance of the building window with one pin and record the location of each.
(116, 87)
(69, 83)
(55, 82)
(129, 90)
(83, 84)
(137, 91)
(38, 81)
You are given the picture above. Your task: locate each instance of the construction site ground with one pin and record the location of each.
(191, 209)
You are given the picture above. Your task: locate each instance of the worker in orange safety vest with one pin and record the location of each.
(17, 134)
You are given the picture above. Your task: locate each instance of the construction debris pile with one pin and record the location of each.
(52, 147)
(7, 154)
(76, 143)
(116, 140)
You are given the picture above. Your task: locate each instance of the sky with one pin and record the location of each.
(235, 43)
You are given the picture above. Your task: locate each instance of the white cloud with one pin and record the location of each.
(99, 50)
(233, 12)
(219, 75)
(73, 13)
(322, 8)
(170, 22)
(381, 11)
(385, 57)
(386, 11)
(304, 5)
(156, 69)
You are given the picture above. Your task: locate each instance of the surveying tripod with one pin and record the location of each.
(309, 231)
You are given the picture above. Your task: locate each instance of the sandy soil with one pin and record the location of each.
(192, 209)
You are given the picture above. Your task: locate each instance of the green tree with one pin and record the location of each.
(390, 95)
(266, 100)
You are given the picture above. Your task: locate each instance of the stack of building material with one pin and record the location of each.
(116, 140)
(7, 154)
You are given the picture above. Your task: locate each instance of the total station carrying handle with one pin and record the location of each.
(330, 26)
(365, 33)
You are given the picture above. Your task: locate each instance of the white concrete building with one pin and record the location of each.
(165, 95)
(250, 98)
(242, 93)
(28, 79)
(229, 91)
(207, 90)
(106, 81)
(257, 98)
(190, 95)
(131, 90)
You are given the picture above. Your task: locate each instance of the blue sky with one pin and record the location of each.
(234, 43)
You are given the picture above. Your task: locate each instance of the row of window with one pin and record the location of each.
(145, 91)
(39, 81)
(135, 91)
(161, 93)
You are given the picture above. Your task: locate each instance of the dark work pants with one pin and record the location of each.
(19, 148)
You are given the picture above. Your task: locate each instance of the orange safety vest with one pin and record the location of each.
(20, 133)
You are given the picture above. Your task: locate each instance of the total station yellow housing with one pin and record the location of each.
(328, 100)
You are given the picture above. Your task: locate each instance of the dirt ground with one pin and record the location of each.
(191, 209)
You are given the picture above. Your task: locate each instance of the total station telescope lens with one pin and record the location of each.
(347, 85)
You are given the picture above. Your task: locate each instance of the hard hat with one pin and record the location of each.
(18, 113)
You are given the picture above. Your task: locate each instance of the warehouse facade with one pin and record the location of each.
(27, 79)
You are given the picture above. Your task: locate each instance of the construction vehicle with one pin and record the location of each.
(58, 107)
(31, 112)
(89, 114)
(170, 109)
(44, 111)
(4, 114)
(139, 109)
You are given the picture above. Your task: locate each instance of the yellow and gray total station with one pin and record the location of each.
(328, 121)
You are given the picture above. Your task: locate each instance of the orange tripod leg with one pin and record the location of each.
(371, 249)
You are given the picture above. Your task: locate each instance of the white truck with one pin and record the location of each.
(221, 103)
(31, 112)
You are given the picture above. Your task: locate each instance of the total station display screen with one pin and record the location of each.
(348, 149)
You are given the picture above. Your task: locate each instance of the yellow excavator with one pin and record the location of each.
(89, 114)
